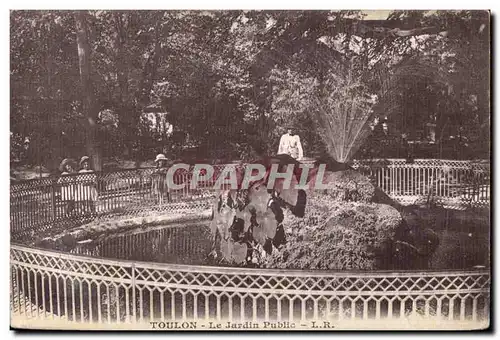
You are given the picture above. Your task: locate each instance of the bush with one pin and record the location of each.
(349, 185)
(334, 235)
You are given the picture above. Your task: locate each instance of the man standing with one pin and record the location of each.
(290, 145)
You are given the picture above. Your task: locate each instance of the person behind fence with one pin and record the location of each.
(67, 185)
(290, 145)
(159, 181)
(87, 193)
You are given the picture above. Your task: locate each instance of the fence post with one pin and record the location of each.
(142, 193)
(134, 300)
(53, 198)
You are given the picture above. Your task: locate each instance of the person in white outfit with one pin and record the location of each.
(87, 192)
(290, 145)
(67, 185)
(159, 180)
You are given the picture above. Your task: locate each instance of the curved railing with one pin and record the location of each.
(78, 288)
(48, 284)
(39, 204)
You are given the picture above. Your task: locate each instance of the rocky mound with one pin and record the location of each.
(351, 224)
(352, 235)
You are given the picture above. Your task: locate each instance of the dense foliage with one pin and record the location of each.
(351, 235)
(83, 81)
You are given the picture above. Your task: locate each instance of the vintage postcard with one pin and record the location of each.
(242, 170)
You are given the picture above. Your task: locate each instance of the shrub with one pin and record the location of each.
(337, 235)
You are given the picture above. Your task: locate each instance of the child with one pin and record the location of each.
(88, 191)
(67, 167)
(160, 187)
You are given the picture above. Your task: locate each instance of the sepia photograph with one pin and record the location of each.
(250, 170)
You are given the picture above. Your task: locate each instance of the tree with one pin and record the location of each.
(44, 69)
(89, 107)
(436, 71)
(243, 73)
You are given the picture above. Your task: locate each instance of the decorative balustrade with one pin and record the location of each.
(47, 284)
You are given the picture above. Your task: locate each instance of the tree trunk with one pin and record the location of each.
(89, 107)
(126, 109)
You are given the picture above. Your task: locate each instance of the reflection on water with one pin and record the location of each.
(444, 239)
(175, 243)
(463, 242)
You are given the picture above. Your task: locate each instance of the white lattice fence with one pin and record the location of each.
(452, 183)
(76, 288)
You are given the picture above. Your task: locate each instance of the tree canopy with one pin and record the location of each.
(227, 81)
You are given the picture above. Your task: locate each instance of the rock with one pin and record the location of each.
(259, 211)
(350, 216)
